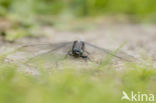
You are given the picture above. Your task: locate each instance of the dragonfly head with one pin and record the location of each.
(78, 48)
(77, 52)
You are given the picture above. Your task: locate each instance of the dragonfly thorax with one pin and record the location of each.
(78, 48)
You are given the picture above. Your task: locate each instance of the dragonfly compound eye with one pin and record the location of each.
(77, 51)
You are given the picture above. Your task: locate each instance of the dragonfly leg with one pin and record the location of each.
(86, 57)
(86, 52)
(69, 54)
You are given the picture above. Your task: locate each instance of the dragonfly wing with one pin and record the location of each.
(40, 50)
(41, 47)
(61, 50)
(100, 53)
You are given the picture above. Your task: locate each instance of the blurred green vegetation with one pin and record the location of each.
(94, 85)
(142, 9)
(25, 15)
(97, 84)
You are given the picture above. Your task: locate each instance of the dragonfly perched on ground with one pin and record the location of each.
(75, 49)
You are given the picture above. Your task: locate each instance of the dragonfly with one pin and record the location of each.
(75, 49)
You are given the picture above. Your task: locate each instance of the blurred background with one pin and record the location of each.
(60, 13)
(104, 23)
(107, 23)
(137, 9)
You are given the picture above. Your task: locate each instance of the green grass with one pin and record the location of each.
(27, 15)
(71, 85)
(142, 9)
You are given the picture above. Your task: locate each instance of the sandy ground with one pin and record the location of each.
(140, 38)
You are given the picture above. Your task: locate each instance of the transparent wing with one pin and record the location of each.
(98, 53)
(44, 51)
(32, 48)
